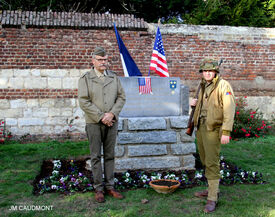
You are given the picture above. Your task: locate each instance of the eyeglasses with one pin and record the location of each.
(101, 60)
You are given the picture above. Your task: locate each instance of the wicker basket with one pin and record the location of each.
(164, 189)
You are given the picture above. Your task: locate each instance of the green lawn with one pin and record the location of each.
(20, 163)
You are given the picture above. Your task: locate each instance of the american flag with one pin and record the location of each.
(144, 84)
(158, 60)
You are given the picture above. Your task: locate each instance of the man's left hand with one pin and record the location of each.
(108, 119)
(225, 139)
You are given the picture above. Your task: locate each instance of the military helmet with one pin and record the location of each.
(209, 64)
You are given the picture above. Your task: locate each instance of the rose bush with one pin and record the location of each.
(248, 122)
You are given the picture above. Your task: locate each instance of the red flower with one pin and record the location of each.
(244, 130)
(245, 96)
(237, 112)
(264, 125)
(248, 119)
(230, 137)
(3, 122)
(251, 116)
(269, 127)
(257, 135)
(247, 135)
(258, 128)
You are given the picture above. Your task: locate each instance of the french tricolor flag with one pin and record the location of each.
(129, 66)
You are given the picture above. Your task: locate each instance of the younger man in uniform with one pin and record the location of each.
(213, 117)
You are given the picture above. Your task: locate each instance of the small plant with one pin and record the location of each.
(70, 128)
(248, 122)
(72, 182)
(4, 133)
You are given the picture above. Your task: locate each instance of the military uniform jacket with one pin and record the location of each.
(220, 103)
(97, 96)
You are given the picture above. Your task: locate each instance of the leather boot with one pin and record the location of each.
(114, 193)
(210, 206)
(201, 194)
(99, 197)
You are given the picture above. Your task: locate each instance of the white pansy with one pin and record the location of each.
(53, 187)
(198, 176)
(55, 172)
(153, 177)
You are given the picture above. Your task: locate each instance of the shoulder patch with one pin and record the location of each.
(228, 92)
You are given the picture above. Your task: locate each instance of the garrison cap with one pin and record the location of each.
(209, 64)
(99, 51)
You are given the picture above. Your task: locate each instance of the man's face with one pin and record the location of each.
(100, 63)
(209, 75)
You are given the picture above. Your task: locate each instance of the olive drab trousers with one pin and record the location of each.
(209, 147)
(100, 135)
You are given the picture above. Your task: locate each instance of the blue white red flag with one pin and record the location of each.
(158, 61)
(129, 66)
(144, 84)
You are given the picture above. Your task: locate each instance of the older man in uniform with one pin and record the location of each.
(213, 117)
(101, 97)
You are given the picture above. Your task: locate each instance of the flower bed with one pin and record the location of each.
(68, 176)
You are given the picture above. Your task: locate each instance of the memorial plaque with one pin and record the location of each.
(165, 100)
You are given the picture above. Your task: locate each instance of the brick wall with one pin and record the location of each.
(42, 56)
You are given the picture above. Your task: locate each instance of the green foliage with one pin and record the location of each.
(257, 13)
(248, 122)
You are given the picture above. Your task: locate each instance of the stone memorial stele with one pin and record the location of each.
(151, 130)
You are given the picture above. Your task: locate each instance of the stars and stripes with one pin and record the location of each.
(158, 61)
(144, 84)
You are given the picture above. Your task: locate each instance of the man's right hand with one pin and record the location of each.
(193, 102)
(108, 119)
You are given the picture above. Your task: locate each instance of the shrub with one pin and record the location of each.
(4, 133)
(248, 122)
